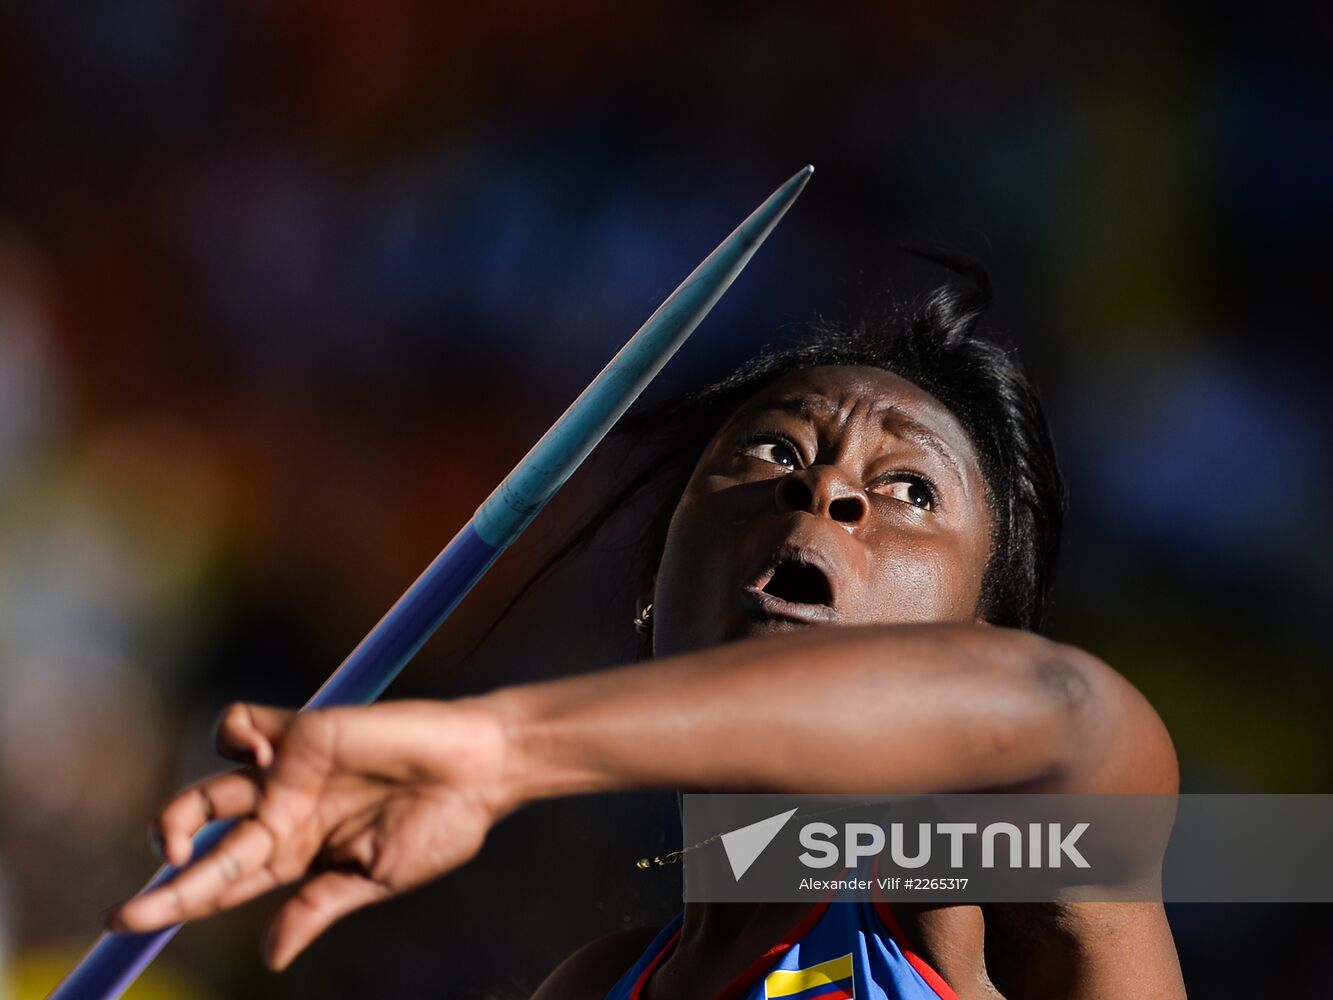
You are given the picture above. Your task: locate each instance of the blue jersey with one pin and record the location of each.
(840, 951)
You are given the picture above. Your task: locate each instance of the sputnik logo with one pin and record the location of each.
(744, 846)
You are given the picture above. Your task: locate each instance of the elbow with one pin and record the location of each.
(1064, 678)
(1054, 683)
(1059, 692)
(1105, 735)
(1028, 704)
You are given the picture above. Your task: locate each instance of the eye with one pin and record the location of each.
(774, 448)
(908, 489)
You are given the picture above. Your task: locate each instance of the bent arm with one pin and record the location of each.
(855, 709)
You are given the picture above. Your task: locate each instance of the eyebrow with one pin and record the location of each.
(895, 420)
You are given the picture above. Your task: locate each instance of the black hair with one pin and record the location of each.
(934, 342)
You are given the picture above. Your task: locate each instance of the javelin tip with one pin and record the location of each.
(754, 230)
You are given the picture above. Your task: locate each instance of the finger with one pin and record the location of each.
(323, 900)
(211, 884)
(248, 733)
(223, 796)
(248, 887)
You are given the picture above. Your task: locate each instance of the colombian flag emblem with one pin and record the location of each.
(830, 980)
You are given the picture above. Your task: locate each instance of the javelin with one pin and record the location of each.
(115, 960)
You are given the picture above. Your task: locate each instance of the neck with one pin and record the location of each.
(706, 924)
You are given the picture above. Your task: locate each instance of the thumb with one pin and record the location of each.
(323, 900)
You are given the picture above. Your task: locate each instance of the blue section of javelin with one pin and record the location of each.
(404, 629)
(116, 960)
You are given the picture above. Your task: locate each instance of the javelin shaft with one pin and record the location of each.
(116, 960)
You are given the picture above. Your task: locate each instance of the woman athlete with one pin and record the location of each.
(894, 480)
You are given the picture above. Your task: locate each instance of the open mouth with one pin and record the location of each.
(799, 583)
(791, 588)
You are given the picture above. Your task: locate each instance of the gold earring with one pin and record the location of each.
(643, 621)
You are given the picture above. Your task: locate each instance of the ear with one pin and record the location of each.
(643, 613)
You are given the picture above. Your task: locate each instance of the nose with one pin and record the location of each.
(823, 491)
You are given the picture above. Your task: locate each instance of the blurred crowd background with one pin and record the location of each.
(286, 287)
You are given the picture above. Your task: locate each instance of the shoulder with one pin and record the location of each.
(590, 972)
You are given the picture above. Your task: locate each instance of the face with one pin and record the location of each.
(835, 496)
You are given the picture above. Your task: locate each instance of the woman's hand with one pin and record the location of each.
(361, 803)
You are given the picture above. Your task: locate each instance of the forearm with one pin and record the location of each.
(855, 709)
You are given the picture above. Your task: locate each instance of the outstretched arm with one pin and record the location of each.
(374, 801)
(893, 708)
